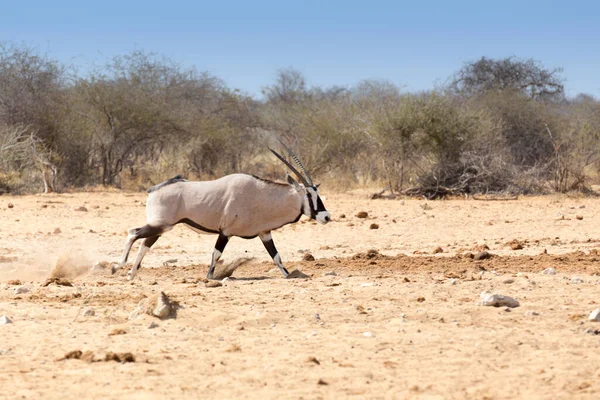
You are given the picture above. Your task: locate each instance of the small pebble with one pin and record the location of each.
(595, 315)
(531, 313)
(4, 320)
(89, 312)
(330, 273)
(21, 290)
(497, 300)
(576, 280)
(368, 334)
(549, 271)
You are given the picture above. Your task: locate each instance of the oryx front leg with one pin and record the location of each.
(146, 244)
(217, 252)
(270, 246)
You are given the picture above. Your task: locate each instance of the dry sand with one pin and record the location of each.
(400, 323)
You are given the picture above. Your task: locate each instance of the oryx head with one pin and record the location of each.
(312, 205)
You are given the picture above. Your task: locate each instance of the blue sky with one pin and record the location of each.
(414, 44)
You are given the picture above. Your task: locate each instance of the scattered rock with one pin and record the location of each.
(117, 331)
(234, 348)
(89, 312)
(367, 284)
(297, 274)
(508, 281)
(330, 273)
(579, 217)
(368, 334)
(482, 255)
(213, 284)
(308, 257)
(313, 360)
(57, 281)
(576, 280)
(119, 357)
(549, 271)
(425, 207)
(531, 313)
(14, 282)
(72, 355)
(497, 300)
(362, 214)
(10, 205)
(57, 231)
(171, 261)
(342, 216)
(159, 306)
(515, 245)
(437, 250)
(152, 325)
(322, 382)
(4, 320)
(595, 315)
(591, 331)
(22, 289)
(374, 226)
(82, 208)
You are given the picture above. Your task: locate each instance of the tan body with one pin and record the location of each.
(235, 205)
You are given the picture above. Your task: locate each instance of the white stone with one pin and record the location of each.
(531, 313)
(595, 315)
(330, 273)
(453, 281)
(163, 306)
(89, 312)
(497, 300)
(5, 320)
(21, 290)
(576, 280)
(549, 271)
(368, 334)
(367, 284)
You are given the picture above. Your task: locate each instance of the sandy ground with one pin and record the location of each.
(393, 324)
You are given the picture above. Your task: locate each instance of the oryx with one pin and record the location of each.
(234, 205)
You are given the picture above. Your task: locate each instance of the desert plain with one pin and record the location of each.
(390, 309)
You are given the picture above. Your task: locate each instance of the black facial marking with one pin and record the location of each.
(313, 213)
(320, 206)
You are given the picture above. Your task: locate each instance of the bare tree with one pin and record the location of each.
(526, 76)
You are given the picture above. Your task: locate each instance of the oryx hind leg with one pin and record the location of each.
(217, 252)
(132, 236)
(144, 248)
(270, 246)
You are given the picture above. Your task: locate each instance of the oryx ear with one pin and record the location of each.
(317, 185)
(292, 182)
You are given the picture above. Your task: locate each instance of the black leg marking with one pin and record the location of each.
(222, 241)
(270, 246)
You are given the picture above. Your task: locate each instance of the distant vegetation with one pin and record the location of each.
(497, 126)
